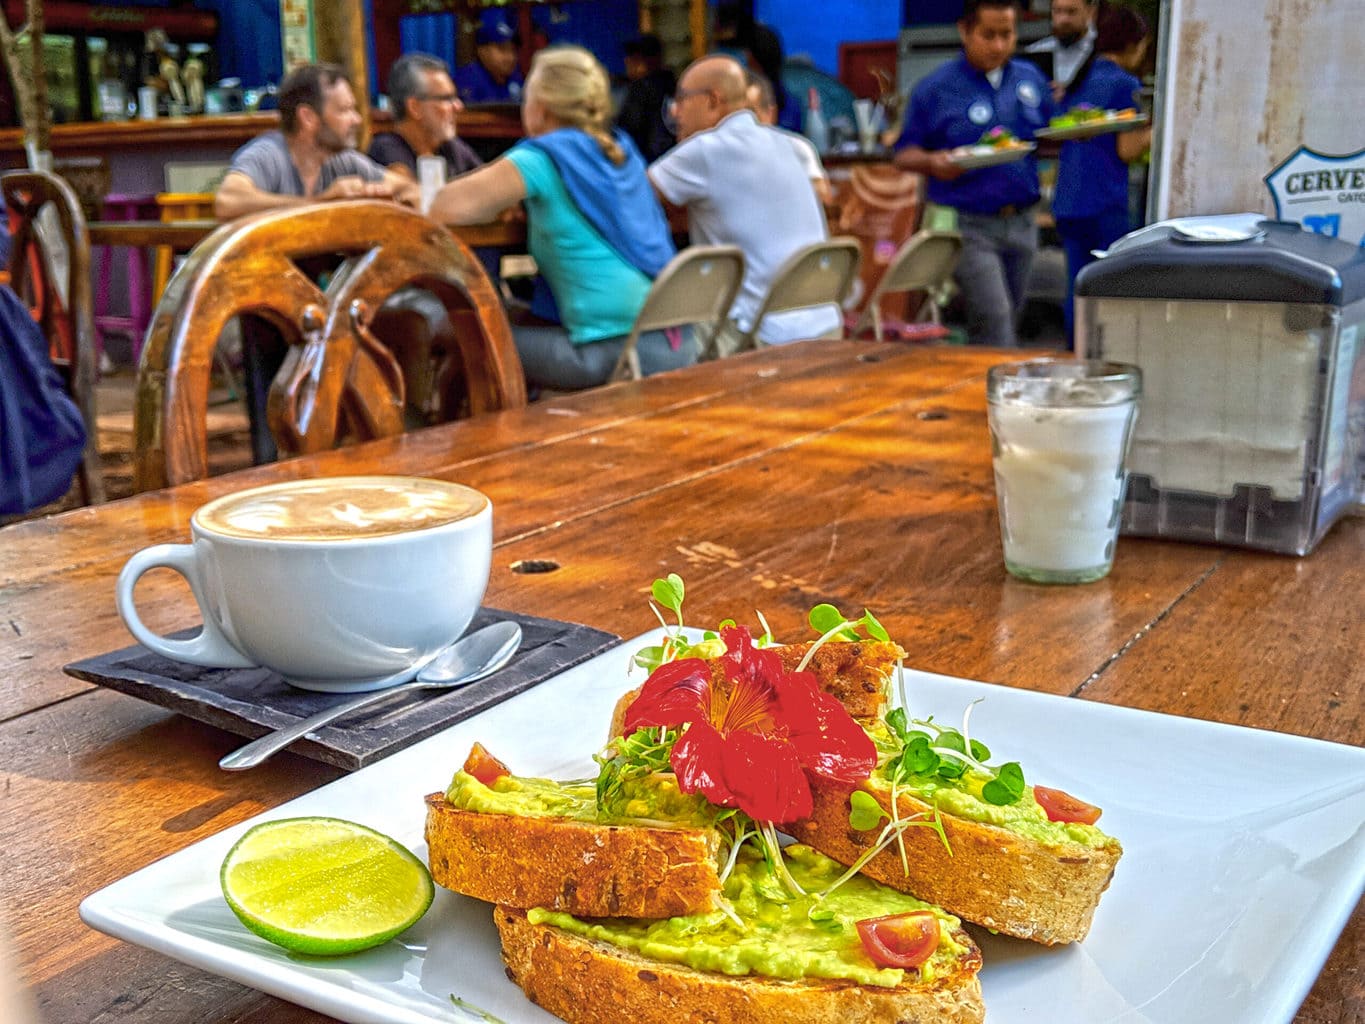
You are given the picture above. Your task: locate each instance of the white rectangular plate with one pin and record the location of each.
(1244, 856)
(1090, 129)
(993, 157)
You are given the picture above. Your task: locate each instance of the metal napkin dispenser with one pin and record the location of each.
(1251, 339)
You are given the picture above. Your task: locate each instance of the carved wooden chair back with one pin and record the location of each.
(62, 308)
(339, 383)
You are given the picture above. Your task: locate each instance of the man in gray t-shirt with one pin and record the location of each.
(313, 157)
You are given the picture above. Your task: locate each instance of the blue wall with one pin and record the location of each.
(600, 25)
(249, 45)
(806, 25)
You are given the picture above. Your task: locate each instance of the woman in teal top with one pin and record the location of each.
(596, 229)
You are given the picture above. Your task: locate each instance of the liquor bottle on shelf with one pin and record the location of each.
(817, 130)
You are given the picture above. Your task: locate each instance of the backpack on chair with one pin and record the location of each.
(42, 434)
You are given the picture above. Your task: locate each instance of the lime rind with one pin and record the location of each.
(324, 886)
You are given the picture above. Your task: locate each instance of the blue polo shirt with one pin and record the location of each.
(476, 85)
(954, 105)
(1091, 179)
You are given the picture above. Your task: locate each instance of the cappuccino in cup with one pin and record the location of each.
(340, 584)
(339, 509)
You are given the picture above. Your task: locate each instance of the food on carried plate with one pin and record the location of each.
(997, 140)
(1000, 137)
(1085, 114)
(730, 740)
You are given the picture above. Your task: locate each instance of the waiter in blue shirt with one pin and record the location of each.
(493, 76)
(1091, 200)
(954, 106)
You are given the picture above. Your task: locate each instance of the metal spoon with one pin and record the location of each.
(467, 660)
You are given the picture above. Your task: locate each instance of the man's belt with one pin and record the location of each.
(1011, 210)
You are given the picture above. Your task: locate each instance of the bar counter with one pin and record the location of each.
(229, 130)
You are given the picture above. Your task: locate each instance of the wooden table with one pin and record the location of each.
(844, 471)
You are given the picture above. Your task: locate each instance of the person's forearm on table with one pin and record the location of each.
(479, 196)
(238, 196)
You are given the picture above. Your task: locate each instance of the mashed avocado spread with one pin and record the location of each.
(961, 797)
(778, 940)
(655, 798)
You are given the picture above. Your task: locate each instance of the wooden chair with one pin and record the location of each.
(64, 314)
(925, 263)
(176, 206)
(818, 274)
(697, 286)
(339, 383)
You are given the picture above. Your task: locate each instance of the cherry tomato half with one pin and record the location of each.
(484, 766)
(900, 940)
(1060, 805)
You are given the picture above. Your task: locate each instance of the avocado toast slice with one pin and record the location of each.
(528, 843)
(635, 848)
(1022, 860)
(773, 958)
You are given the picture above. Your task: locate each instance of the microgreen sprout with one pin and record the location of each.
(474, 1011)
(929, 749)
(864, 814)
(641, 754)
(830, 623)
(668, 593)
(744, 828)
(777, 863)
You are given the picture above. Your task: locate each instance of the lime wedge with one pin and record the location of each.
(324, 886)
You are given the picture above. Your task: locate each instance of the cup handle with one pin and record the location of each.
(211, 648)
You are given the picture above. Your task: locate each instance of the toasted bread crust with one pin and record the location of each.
(589, 982)
(995, 877)
(577, 867)
(855, 673)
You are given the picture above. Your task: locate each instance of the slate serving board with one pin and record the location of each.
(254, 701)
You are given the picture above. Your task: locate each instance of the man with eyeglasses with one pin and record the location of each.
(424, 103)
(742, 184)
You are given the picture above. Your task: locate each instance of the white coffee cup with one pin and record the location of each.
(336, 583)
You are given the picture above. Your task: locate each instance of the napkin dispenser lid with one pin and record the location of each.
(1228, 258)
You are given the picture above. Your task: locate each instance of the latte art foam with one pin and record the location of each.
(340, 508)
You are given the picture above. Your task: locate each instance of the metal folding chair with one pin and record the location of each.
(814, 276)
(697, 285)
(925, 264)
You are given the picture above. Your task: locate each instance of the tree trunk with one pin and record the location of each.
(30, 92)
(41, 128)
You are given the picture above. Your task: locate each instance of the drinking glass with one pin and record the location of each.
(1060, 432)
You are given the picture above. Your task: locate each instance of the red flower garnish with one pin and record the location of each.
(750, 742)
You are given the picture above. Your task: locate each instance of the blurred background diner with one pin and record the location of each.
(595, 229)
(163, 119)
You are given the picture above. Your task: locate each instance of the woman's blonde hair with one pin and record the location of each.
(575, 91)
